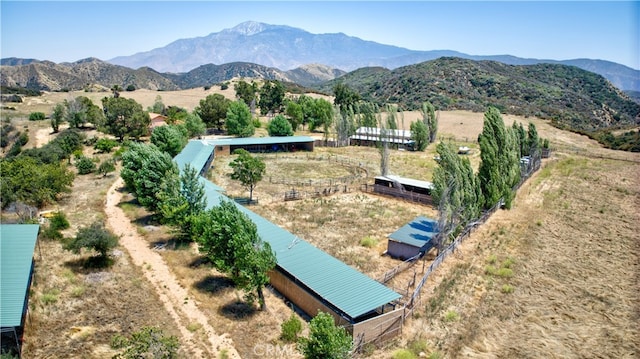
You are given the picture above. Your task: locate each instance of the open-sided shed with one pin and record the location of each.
(413, 238)
(226, 146)
(17, 244)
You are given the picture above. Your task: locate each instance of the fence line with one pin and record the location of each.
(531, 168)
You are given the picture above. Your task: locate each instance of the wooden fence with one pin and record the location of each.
(399, 193)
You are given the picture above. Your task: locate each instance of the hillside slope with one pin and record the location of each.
(570, 97)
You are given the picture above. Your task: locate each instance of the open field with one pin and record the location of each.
(558, 275)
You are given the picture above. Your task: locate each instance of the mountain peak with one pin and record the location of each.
(249, 28)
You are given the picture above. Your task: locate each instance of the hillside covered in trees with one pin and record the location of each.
(571, 98)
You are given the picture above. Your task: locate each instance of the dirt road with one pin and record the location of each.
(201, 343)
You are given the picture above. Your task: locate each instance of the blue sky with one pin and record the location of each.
(72, 30)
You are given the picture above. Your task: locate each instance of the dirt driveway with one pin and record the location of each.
(182, 308)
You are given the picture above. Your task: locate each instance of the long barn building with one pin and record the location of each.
(307, 276)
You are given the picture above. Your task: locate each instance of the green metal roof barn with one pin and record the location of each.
(17, 243)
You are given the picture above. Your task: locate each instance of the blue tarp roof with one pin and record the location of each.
(341, 286)
(417, 233)
(17, 242)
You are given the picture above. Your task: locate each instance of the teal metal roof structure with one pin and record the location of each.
(417, 233)
(247, 141)
(343, 287)
(198, 154)
(17, 243)
(334, 282)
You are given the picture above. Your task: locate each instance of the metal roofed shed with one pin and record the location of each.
(413, 238)
(341, 288)
(226, 146)
(17, 244)
(198, 154)
(406, 188)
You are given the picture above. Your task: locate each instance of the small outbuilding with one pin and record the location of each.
(406, 188)
(413, 238)
(17, 245)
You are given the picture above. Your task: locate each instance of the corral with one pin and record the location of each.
(309, 277)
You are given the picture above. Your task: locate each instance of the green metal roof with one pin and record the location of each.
(340, 286)
(417, 233)
(17, 242)
(247, 141)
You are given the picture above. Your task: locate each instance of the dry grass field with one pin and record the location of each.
(558, 275)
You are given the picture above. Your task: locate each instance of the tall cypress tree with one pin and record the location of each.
(499, 155)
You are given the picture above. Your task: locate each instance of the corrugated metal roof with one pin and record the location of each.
(417, 233)
(345, 288)
(247, 141)
(341, 286)
(17, 242)
(407, 181)
(196, 153)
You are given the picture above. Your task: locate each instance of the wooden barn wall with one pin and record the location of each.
(300, 297)
(401, 250)
(380, 328)
(223, 150)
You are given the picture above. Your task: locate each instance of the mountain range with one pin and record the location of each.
(286, 48)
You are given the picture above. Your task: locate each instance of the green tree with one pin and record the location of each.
(158, 106)
(246, 92)
(85, 165)
(420, 135)
(367, 111)
(148, 342)
(321, 116)
(230, 240)
(271, 97)
(94, 237)
(194, 125)
(345, 125)
(26, 179)
(125, 118)
(181, 199)
(430, 119)
(37, 116)
(105, 145)
(169, 138)
(107, 166)
(499, 162)
(533, 141)
(295, 114)
(279, 126)
(213, 110)
(290, 328)
(144, 167)
(239, 120)
(325, 341)
(175, 114)
(523, 149)
(454, 179)
(345, 97)
(248, 170)
(81, 110)
(57, 117)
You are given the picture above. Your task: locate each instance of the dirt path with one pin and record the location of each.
(175, 298)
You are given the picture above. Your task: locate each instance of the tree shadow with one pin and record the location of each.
(237, 310)
(201, 261)
(86, 265)
(213, 284)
